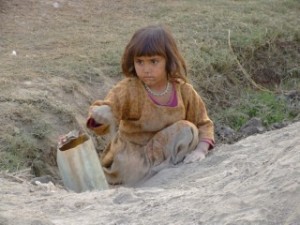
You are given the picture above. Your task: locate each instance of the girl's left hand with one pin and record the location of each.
(198, 154)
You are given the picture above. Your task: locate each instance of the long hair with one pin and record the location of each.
(150, 41)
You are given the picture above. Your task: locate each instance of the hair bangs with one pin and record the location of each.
(150, 45)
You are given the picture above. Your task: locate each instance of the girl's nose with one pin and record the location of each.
(147, 68)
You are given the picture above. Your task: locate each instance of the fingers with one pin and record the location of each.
(102, 114)
(194, 156)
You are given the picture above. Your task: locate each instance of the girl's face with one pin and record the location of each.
(151, 70)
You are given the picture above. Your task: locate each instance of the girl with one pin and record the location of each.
(161, 119)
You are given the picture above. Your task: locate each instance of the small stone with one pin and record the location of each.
(43, 179)
(253, 126)
(56, 5)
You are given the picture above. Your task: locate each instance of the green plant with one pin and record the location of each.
(18, 152)
(265, 105)
(40, 129)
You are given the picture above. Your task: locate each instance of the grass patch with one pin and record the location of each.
(17, 152)
(265, 105)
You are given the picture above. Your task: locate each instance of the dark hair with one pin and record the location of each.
(154, 40)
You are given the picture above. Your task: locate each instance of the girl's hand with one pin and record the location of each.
(198, 154)
(102, 114)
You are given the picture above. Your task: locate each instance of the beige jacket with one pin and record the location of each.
(139, 118)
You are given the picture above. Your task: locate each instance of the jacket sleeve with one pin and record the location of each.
(124, 102)
(196, 112)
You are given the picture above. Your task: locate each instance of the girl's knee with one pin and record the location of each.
(186, 126)
(184, 123)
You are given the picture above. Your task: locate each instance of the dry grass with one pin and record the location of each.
(66, 57)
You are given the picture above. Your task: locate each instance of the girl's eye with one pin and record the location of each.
(140, 62)
(154, 61)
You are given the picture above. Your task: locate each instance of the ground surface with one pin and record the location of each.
(255, 181)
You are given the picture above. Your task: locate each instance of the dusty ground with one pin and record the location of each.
(255, 181)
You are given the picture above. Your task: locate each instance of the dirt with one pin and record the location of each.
(254, 181)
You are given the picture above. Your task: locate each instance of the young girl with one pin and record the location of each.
(161, 119)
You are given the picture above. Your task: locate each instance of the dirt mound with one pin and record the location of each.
(254, 181)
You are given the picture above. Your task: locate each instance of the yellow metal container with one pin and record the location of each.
(79, 164)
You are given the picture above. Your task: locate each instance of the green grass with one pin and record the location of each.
(265, 105)
(17, 152)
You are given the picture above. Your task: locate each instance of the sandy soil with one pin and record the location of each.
(254, 181)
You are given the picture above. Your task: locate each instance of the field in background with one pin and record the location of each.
(59, 56)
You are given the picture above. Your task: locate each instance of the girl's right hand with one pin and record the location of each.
(198, 154)
(102, 114)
